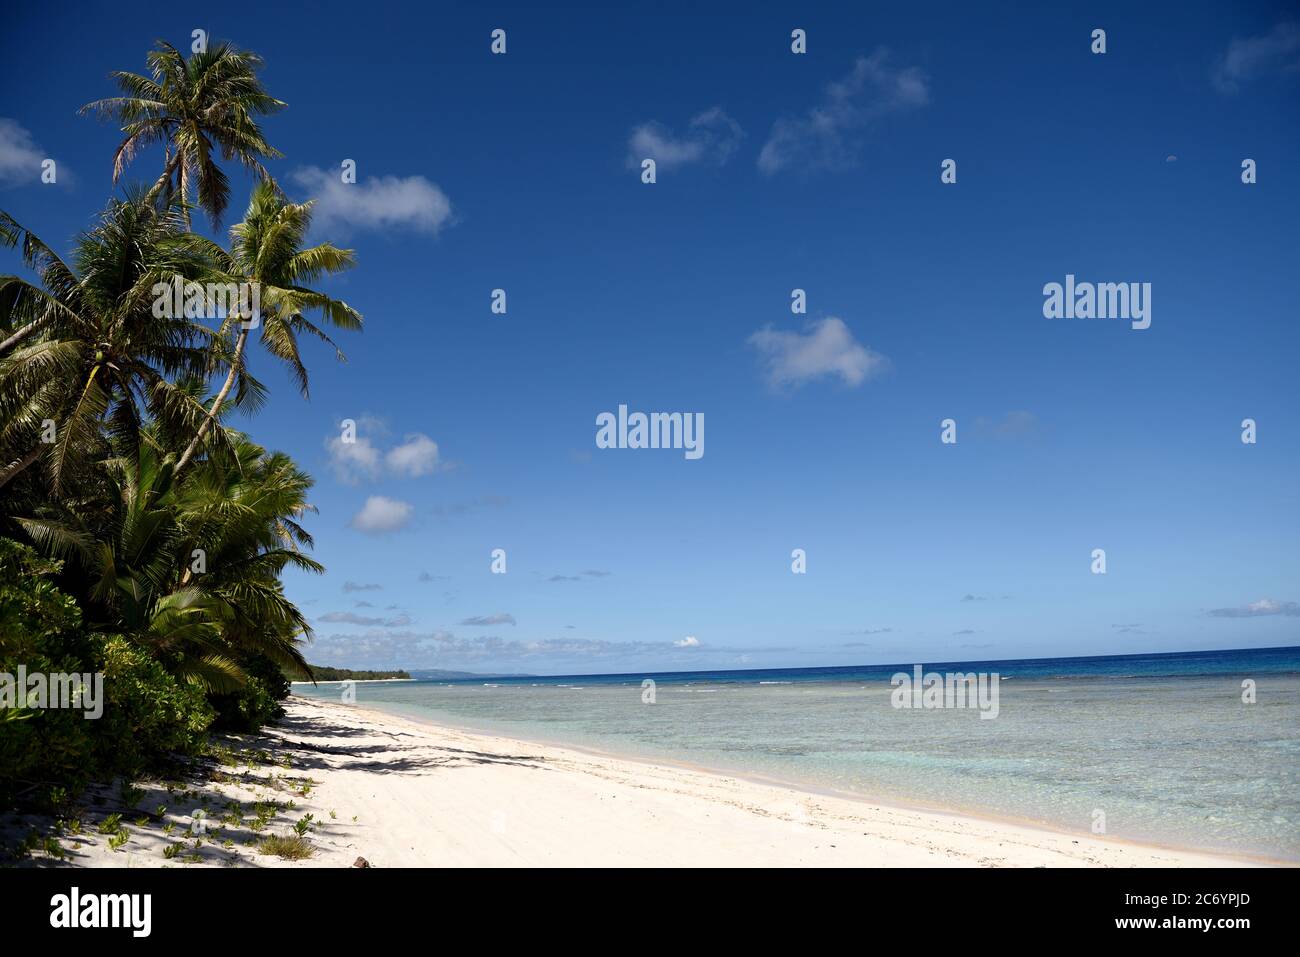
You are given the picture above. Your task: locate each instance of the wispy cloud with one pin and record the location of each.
(828, 135)
(1259, 609)
(464, 508)
(826, 348)
(355, 586)
(589, 573)
(1017, 424)
(375, 202)
(385, 648)
(351, 618)
(480, 621)
(710, 138)
(20, 157)
(1277, 51)
(381, 515)
(441, 648)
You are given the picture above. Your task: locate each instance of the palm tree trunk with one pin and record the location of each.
(21, 334)
(163, 181)
(15, 467)
(211, 417)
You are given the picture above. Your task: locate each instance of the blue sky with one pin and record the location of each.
(775, 171)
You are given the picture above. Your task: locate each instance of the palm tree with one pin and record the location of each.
(266, 249)
(137, 550)
(86, 350)
(24, 308)
(193, 107)
(243, 506)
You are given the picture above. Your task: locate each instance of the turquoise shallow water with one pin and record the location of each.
(1174, 758)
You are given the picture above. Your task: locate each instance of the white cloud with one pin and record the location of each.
(824, 136)
(375, 202)
(20, 157)
(690, 641)
(711, 137)
(353, 461)
(417, 456)
(1249, 57)
(827, 348)
(1257, 609)
(381, 515)
(362, 460)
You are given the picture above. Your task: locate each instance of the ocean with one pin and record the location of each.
(1159, 748)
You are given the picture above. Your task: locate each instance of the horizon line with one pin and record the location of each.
(910, 664)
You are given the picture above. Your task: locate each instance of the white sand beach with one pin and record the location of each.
(403, 793)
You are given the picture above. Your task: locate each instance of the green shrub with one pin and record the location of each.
(258, 702)
(47, 753)
(147, 712)
(42, 751)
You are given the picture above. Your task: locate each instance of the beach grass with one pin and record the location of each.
(290, 847)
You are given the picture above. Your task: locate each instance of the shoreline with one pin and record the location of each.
(400, 791)
(1229, 857)
(355, 681)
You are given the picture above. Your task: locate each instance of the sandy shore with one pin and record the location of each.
(402, 793)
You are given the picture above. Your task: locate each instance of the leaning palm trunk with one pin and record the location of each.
(211, 417)
(21, 334)
(165, 183)
(15, 467)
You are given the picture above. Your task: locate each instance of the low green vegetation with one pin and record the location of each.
(321, 673)
(291, 847)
